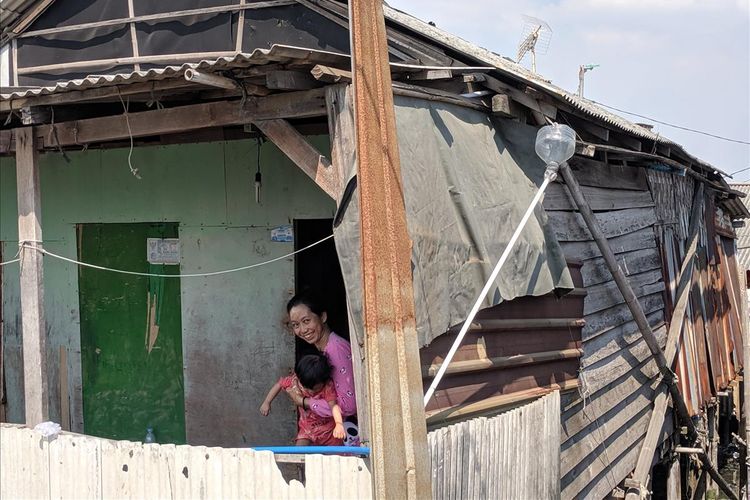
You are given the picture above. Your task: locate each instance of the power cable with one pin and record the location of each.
(191, 275)
(671, 124)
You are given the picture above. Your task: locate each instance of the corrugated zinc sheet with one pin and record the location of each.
(276, 54)
(86, 467)
(513, 455)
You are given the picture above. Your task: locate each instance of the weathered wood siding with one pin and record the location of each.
(604, 422)
(512, 455)
(516, 351)
(85, 467)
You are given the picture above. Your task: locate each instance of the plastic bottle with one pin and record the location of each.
(150, 438)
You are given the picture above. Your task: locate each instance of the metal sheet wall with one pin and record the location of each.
(710, 355)
(85, 467)
(513, 455)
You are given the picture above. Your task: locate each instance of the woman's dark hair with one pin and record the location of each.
(313, 369)
(309, 299)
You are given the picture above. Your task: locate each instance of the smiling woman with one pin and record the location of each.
(308, 321)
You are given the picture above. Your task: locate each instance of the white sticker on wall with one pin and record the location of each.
(163, 250)
(283, 234)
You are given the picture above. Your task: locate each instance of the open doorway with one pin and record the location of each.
(318, 269)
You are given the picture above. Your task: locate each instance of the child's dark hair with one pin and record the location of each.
(313, 369)
(307, 298)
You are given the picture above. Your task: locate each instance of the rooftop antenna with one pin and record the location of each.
(535, 38)
(582, 69)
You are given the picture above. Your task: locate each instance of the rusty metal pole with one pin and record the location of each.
(400, 461)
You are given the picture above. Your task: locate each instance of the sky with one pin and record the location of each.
(684, 62)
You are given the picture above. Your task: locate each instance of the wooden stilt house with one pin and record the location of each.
(182, 138)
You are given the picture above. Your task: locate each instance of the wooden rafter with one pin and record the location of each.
(304, 104)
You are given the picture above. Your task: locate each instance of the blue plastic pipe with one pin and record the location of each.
(319, 450)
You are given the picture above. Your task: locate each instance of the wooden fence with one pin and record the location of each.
(77, 466)
(513, 455)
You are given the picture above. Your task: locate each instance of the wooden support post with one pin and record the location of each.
(687, 278)
(709, 467)
(398, 431)
(630, 299)
(33, 326)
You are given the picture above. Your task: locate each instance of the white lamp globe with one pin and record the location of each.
(555, 143)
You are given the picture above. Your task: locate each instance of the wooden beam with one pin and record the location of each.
(31, 15)
(431, 74)
(184, 118)
(133, 35)
(35, 115)
(517, 95)
(95, 94)
(290, 80)
(162, 16)
(240, 28)
(33, 325)
(305, 156)
(627, 141)
(327, 74)
(119, 61)
(504, 106)
(516, 360)
(400, 460)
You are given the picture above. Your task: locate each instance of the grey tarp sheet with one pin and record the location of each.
(468, 180)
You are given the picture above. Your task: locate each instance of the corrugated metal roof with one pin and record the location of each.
(276, 54)
(261, 56)
(743, 233)
(514, 69)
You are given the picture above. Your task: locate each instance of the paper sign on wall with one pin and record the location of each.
(163, 250)
(283, 234)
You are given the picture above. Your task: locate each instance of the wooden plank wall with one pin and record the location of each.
(512, 455)
(603, 424)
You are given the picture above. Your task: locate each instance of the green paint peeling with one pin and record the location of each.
(131, 348)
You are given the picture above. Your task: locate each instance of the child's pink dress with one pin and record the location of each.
(311, 426)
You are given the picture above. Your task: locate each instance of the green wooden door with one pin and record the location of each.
(131, 335)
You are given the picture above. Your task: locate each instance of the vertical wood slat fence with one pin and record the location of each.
(512, 455)
(77, 466)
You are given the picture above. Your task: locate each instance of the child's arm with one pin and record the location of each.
(265, 408)
(338, 430)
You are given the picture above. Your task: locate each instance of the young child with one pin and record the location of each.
(312, 376)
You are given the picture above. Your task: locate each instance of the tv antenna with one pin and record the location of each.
(582, 69)
(535, 38)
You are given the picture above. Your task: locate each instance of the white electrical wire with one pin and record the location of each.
(13, 261)
(487, 287)
(192, 275)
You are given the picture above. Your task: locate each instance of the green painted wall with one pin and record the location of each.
(234, 344)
